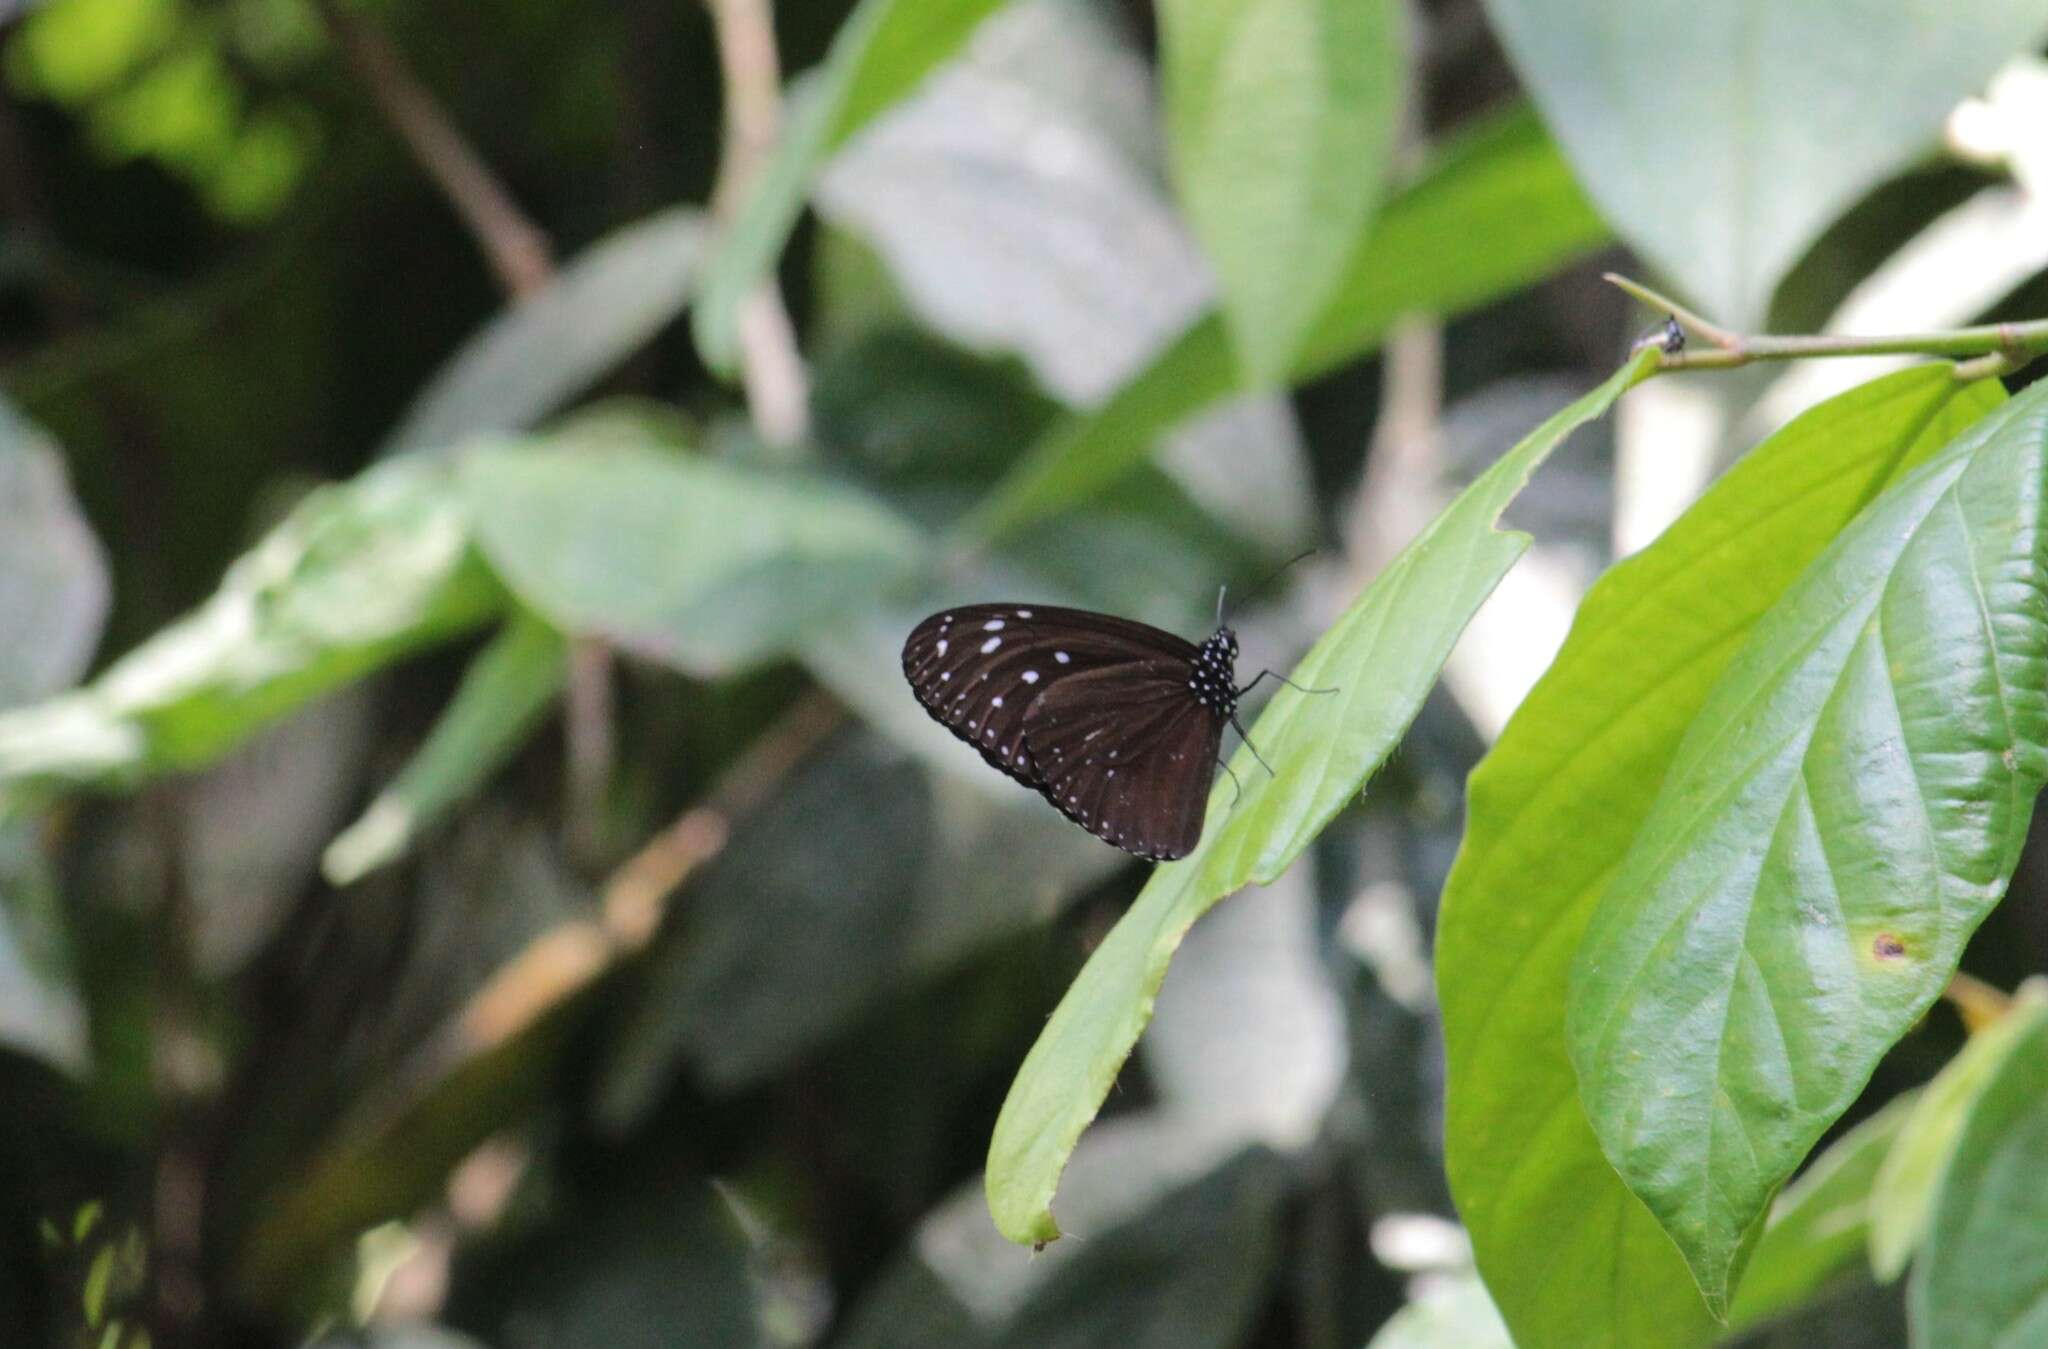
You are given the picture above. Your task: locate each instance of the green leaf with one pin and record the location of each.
(1280, 115)
(1820, 1224)
(502, 695)
(604, 304)
(1580, 761)
(884, 49)
(699, 563)
(1902, 1199)
(98, 1278)
(356, 576)
(1983, 1279)
(1437, 247)
(1846, 806)
(1718, 137)
(1383, 657)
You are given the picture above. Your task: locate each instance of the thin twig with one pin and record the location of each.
(1978, 1003)
(515, 247)
(1986, 350)
(772, 370)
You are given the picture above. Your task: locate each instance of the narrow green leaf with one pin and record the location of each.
(1580, 761)
(1438, 247)
(883, 51)
(702, 564)
(1279, 117)
(98, 1278)
(1982, 1282)
(358, 575)
(1846, 806)
(502, 695)
(1902, 1200)
(1718, 138)
(603, 305)
(1382, 656)
(1820, 1224)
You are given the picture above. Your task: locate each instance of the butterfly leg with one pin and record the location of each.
(1283, 679)
(1250, 746)
(1233, 782)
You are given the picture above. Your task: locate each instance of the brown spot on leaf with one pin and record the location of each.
(1887, 947)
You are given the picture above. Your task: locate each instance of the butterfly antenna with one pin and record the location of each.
(1221, 591)
(1250, 746)
(1283, 679)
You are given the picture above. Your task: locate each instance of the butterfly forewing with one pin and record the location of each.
(1115, 722)
(1125, 753)
(978, 668)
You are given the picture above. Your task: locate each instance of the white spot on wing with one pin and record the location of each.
(945, 675)
(1062, 657)
(942, 646)
(996, 701)
(993, 625)
(990, 645)
(1023, 613)
(1031, 676)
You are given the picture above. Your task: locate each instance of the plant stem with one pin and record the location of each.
(771, 369)
(1981, 352)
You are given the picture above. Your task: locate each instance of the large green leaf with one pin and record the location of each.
(1983, 1281)
(1441, 245)
(700, 563)
(1820, 1225)
(1279, 115)
(882, 52)
(1382, 657)
(1847, 805)
(358, 575)
(604, 304)
(1721, 139)
(1902, 1197)
(1553, 808)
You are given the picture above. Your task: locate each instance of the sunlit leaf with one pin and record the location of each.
(1902, 1197)
(1279, 116)
(604, 304)
(53, 573)
(504, 692)
(1721, 139)
(1846, 806)
(1982, 1282)
(699, 563)
(1553, 809)
(1460, 1316)
(357, 576)
(1437, 247)
(1382, 657)
(882, 51)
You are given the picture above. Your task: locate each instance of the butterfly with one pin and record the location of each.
(1113, 721)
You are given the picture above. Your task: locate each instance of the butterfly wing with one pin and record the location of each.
(1127, 753)
(977, 668)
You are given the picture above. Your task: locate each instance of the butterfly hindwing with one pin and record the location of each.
(1126, 754)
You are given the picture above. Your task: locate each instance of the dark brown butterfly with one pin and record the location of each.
(1114, 722)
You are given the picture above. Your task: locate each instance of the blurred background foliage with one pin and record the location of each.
(496, 889)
